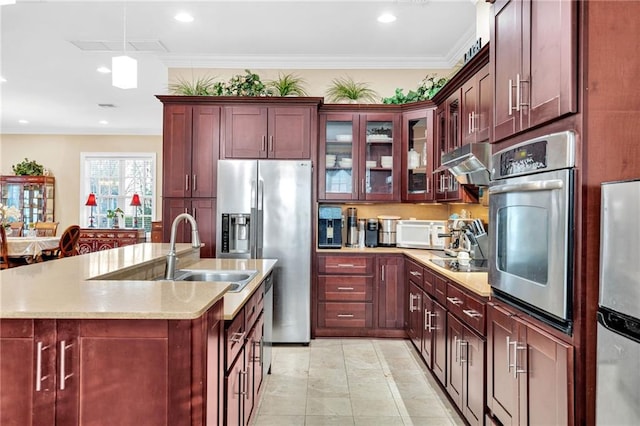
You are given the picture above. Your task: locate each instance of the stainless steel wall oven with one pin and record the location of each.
(531, 234)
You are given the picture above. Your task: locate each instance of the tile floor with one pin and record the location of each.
(351, 382)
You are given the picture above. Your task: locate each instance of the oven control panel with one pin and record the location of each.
(550, 152)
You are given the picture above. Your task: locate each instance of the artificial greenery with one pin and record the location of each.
(201, 86)
(427, 88)
(112, 213)
(245, 85)
(28, 168)
(287, 85)
(344, 89)
(238, 85)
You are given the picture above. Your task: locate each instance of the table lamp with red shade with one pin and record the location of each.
(91, 201)
(135, 202)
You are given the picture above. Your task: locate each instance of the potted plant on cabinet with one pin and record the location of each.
(115, 218)
(344, 89)
(287, 85)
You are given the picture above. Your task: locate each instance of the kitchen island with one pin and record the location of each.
(98, 339)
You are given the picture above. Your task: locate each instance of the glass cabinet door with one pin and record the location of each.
(418, 152)
(381, 157)
(340, 157)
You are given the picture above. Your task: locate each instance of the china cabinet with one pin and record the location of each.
(32, 195)
(360, 156)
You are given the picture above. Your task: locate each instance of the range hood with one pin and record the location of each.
(469, 164)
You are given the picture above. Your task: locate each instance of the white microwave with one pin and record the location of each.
(422, 234)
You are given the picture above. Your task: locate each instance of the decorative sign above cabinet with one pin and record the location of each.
(473, 50)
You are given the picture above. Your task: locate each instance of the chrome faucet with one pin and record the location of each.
(170, 269)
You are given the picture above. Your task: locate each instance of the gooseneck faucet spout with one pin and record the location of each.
(195, 243)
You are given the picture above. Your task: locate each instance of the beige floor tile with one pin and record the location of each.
(320, 387)
(378, 421)
(329, 421)
(286, 386)
(371, 390)
(369, 407)
(328, 407)
(278, 421)
(366, 376)
(425, 408)
(338, 374)
(427, 421)
(282, 406)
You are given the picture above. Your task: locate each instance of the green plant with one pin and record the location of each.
(345, 89)
(427, 88)
(28, 168)
(245, 85)
(201, 86)
(287, 85)
(112, 213)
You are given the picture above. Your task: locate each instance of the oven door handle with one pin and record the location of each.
(542, 185)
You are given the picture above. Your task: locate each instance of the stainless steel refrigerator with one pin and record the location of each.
(264, 211)
(618, 365)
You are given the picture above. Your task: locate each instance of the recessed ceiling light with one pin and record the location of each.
(23, 122)
(103, 70)
(2, 79)
(386, 18)
(103, 122)
(183, 17)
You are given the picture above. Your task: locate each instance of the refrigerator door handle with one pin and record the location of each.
(254, 196)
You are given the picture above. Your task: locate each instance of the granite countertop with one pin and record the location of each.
(476, 282)
(117, 284)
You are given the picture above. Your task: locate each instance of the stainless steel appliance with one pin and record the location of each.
(531, 216)
(352, 227)
(276, 196)
(371, 234)
(387, 230)
(469, 164)
(329, 227)
(267, 334)
(422, 234)
(618, 359)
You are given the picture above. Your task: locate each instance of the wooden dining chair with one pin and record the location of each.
(5, 260)
(16, 228)
(46, 229)
(69, 242)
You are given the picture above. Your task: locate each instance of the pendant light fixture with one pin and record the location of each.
(124, 69)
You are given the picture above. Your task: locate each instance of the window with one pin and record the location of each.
(114, 178)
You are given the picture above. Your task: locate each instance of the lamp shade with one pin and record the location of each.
(124, 72)
(91, 201)
(135, 200)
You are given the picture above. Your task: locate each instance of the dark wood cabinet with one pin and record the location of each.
(534, 60)
(359, 155)
(390, 284)
(465, 370)
(529, 372)
(203, 211)
(418, 155)
(278, 132)
(110, 371)
(190, 150)
(477, 106)
(448, 137)
(414, 314)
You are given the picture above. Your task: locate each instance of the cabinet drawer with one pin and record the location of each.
(474, 314)
(349, 265)
(340, 288)
(455, 301)
(345, 315)
(428, 281)
(440, 289)
(415, 273)
(253, 307)
(235, 335)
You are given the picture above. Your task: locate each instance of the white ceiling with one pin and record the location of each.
(54, 84)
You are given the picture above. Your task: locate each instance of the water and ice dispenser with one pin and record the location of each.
(236, 233)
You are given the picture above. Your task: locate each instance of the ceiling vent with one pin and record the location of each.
(141, 46)
(106, 105)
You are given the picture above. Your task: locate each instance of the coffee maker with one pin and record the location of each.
(329, 227)
(352, 227)
(371, 234)
(236, 233)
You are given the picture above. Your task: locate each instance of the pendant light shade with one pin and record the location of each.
(124, 72)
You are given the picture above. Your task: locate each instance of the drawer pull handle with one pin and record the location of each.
(454, 300)
(39, 377)
(346, 265)
(63, 373)
(346, 288)
(472, 313)
(345, 315)
(416, 274)
(238, 337)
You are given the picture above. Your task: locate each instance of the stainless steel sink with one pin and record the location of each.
(238, 278)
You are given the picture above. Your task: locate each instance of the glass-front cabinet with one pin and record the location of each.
(360, 157)
(32, 195)
(417, 152)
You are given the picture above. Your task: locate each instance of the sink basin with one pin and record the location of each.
(238, 278)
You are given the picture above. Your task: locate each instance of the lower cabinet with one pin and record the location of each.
(243, 365)
(123, 372)
(529, 372)
(360, 296)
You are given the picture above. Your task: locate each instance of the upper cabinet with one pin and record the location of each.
(448, 137)
(534, 60)
(359, 156)
(476, 109)
(32, 195)
(190, 149)
(417, 155)
(264, 131)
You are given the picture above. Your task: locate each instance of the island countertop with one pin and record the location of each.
(115, 284)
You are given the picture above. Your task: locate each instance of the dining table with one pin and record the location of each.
(30, 247)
